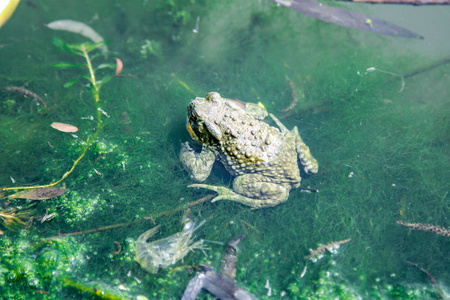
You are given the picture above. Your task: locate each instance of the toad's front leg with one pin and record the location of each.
(197, 164)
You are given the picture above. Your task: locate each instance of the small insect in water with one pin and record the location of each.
(47, 217)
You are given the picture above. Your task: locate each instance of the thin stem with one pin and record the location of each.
(92, 73)
(95, 87)
(152, 217)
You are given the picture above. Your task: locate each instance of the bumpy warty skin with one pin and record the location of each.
(263, 159)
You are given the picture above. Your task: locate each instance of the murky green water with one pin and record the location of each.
(381, 141)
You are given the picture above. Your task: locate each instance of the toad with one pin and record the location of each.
(262, 158)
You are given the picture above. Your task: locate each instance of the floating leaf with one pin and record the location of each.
(38, 194)
(64, 127)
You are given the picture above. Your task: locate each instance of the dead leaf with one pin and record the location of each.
(119, 66)
(64, 127)
(38, 194)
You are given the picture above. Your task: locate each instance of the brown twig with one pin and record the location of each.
(330, 247)
(436, 285)
(182, 207)
(151, 218)
(24, 92)
(294, 96)
(119, 248)
(426, 227)
(427, 68)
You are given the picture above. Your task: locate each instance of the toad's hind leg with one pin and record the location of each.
(254, 194)
(309, 163)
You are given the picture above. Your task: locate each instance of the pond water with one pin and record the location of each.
(373, 109)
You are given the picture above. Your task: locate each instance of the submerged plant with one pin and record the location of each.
(94, 85)
(15, 217)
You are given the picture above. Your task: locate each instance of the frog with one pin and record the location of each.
(264, 160)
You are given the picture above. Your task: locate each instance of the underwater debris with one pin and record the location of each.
(119, 66)
(371, 69)
(229, 262)
(346, 18)
(64, 127)
(435, 283)
(7, 9)
(46, 218)
(220, 285)
(294, 96)
(119, 248)
(38, 194)
(332, 247)
(24, 92)
(80, 28)
(195, 30)
(168, 251)
(426, 227)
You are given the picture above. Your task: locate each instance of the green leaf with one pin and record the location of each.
(104, 66)
(65, 65)
(91, 46)
(99, 54)
(85, 76)
(74, 49)
(104, 80)
(61, 45)
(71, 83)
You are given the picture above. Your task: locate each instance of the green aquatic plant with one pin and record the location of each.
(94, 86)
(16, 217)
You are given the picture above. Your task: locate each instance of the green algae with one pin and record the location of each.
(383, 154)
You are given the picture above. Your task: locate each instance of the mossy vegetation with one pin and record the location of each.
(383, 153)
